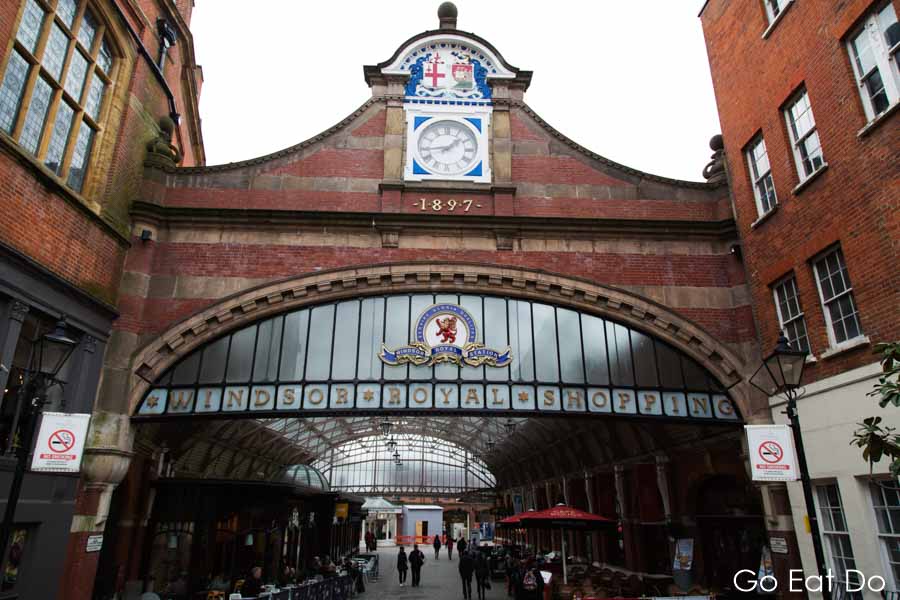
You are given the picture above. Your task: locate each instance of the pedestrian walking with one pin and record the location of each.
(450, 543)
(437, 546)
(416, 560)
(466, 569)
(512, 570)
(461, 545)
(402, 565)
(482, 574)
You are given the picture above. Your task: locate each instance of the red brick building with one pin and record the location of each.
(808, 95)
(84, 84)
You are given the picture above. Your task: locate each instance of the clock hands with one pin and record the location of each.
(448, 146)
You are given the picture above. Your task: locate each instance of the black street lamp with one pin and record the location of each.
(385, 427)
(780, 373)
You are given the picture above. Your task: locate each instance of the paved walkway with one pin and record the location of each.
(440, 580)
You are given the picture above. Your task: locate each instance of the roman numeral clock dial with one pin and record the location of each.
(447, 148)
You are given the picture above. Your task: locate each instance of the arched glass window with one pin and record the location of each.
(53, 88)
(404, 463)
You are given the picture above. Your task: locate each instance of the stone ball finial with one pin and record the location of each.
(167, 126)
(714, 171)
(447, 13)
(716, 142)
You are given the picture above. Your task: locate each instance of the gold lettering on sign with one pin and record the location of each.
(675, 409)
(725, 406)
(262, 398)
(574, 399)
(420, 395)
(316, 396)
(549, 398)
(394, 396)
(341, 396)
(600, 400)
(449, 205)
(289, 396)
(623, 400)
(206, 398)
(445, 392)
(497, 401)
(649, 402)
(181, 399)
(236, 396)
(472, 396)
(700, 403)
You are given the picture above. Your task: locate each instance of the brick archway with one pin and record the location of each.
(252, 305)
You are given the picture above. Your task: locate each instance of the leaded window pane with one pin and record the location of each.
(644, 360)
(30, 27)
(371, 326)
(80, 156)
(293, 347)
(55, 52)
(346, 331)
(474, 305)
(396, 332)
(863, 54)
(594, 335)
(877, 93)
(75, 78)
(104, 57)
(59, 137)
(185, 373)
(11, 90)
(66, 9)
(321, 328)
(521, 340)
(545, 339)
(265, 364)
(495, 333)
(240, 356)
(95, 97)
(619, 343)
(570, 358)
(37, 113)
(212, 365)
(88, 30)
(669, 363)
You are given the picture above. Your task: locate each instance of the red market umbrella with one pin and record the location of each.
(513, 520)
(564, 517)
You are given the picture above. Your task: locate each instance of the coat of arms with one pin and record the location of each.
(445, 333)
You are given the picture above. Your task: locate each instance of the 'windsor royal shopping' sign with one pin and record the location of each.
(442, 334)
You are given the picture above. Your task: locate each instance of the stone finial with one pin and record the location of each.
(161, 152)
(447, 14)
(714, 171)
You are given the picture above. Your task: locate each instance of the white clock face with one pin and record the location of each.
(447, 148)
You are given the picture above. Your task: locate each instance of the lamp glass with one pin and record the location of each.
(248, 541)
(764, 381)
(54, 349)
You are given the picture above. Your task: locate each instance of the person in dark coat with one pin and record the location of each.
(416, 560)
(482, 574)
(450, 543)
(466, 569)
(461, 545)
(402, 565)
(530, 585)
(437, 546)
(253, 584)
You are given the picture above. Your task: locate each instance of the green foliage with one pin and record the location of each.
(877, 441)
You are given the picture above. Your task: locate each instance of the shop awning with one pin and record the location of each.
(562, 516)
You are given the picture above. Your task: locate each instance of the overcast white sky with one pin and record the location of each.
(628, 80)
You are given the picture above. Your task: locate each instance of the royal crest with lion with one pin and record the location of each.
(445, 333)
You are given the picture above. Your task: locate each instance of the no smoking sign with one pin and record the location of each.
(771, 453)
(60, 443)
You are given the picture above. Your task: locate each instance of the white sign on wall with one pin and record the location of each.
(60, 442)
(772, 455)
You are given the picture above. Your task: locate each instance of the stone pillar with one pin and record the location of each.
(662, 482)
(629, 530)
(106, 460)
(588, 492)
(565, 491)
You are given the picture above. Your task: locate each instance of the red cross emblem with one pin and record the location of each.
(435, 74)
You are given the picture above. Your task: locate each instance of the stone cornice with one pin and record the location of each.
(322, 287)
(157, 214)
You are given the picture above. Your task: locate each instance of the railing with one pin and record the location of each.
(409, 540)
(335, 588)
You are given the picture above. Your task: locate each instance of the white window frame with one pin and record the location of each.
(800, 316)
(781, 7)
(756, 177)
(830, 534)
(885, 65)
(829, 326)
(798, 142)
(878, 490)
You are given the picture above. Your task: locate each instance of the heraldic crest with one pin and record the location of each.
(445, 333)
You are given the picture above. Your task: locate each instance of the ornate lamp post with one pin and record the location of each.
(385, 426)
(51, 352)
(781, 373)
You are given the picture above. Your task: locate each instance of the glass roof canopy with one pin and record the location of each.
(335, 346)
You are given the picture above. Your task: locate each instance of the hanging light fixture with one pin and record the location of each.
(391, 444)
(490, 445)
(385, 427)
(509, 426)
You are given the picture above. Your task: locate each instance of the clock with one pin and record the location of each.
(447, 147)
